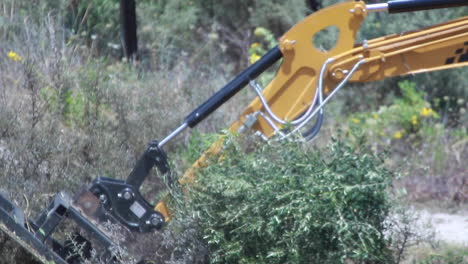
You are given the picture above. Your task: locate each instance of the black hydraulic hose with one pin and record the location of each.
(313, 131)
(233, 87)
(399, 6)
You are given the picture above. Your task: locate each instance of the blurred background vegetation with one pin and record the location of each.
(72, 109)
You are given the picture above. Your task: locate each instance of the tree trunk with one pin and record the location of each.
(129, 28)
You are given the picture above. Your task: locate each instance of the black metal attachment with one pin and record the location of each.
(36, 236)
(152, 156)
(121, 201)
(399, 6)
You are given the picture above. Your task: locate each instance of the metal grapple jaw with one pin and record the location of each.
(38, 236)
(106, 222)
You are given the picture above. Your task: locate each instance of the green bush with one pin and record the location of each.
(422, 143)
(406, 115)
(282, 203)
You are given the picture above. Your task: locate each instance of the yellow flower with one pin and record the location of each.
(398, 135)
(426, 112)
(414, 120)
(14, 56)
(255, 45)
(253, 58)
(355, 121)
(375, 116)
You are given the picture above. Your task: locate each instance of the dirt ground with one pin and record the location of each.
(450, 228)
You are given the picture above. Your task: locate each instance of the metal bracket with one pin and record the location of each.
(121, 201)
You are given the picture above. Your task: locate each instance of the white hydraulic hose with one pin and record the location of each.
(320, 88)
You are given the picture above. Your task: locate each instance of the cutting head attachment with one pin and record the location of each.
(108, 221)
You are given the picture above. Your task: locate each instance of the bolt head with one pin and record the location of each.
(103, 198)
(287, 44)
(339, 73)
(127, 195)
(156, 220)
(358, 10)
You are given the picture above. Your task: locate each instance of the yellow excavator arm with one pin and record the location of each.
(291, 92)
(307, 74)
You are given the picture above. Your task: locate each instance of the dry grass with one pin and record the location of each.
(67, 118)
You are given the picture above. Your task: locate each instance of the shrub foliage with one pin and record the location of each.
(281, 203)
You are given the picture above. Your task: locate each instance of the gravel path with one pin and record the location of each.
(450, 228)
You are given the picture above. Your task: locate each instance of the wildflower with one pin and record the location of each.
(355, 120)
(254, 57)
(414, 120)
(426, 112)
(255, 45)
(375, 116)
(398, 135)
(14, 56)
